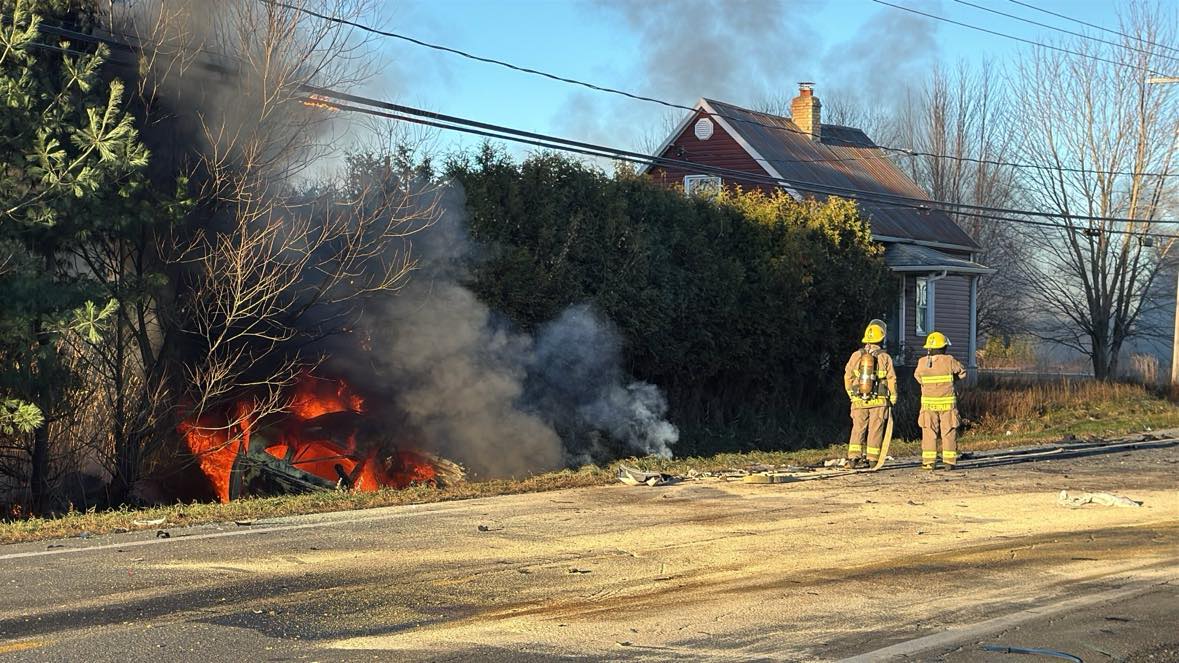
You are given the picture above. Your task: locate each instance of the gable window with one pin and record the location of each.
(924, 307)
(702, 185)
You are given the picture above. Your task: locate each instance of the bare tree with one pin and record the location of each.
(653, 136)
(959, 125)
(1106, 139)
(218, 296)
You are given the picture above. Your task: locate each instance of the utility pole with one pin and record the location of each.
(1175, 336)
(1164, 80)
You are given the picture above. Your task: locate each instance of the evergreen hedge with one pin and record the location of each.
(743, 306)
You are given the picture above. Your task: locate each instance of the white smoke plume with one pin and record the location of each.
(576, 380)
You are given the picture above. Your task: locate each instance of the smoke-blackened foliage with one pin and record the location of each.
(739, 307)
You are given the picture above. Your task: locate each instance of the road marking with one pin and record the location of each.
(972, 631)
(404, 511)
(25, 645)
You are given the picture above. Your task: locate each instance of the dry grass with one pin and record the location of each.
(995, 407)
(1000, 414)
(182, 515)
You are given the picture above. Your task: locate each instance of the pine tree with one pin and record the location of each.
(67, 144)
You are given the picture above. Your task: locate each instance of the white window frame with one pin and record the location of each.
(923, 324)
(702, 184)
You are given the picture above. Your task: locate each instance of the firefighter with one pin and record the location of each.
(937, 372)
(871, 383)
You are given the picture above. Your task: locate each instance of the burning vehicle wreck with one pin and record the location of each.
(325, 440)
(425, 387)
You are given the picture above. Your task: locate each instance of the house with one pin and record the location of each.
(934, 258)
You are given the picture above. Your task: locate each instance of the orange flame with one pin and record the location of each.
(216, 443)
(315, 397)
(319, 101)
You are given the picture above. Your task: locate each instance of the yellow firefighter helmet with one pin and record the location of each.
(874, 333)
(936, 341)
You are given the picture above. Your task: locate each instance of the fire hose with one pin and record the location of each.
(887, 438)
(980, 460)
(1037, 651)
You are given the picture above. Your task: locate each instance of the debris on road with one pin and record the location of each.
(577, 570)
(767, 477)
(633, 477)
(1104, 499)
(161, 534)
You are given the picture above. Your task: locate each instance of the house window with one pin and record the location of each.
(706, 185)
(924, 307)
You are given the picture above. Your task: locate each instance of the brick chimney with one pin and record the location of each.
(805, 110)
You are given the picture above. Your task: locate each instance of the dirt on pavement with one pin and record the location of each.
(705, 570)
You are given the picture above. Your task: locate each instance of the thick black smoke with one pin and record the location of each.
(451, 377)
(439, 370)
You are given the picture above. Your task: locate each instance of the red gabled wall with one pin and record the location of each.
(719, 151)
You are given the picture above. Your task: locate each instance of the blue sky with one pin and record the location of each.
(741, 51)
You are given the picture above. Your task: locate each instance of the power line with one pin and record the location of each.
(1013, 37)
(1003, 34)
(1067, 32)
(1094, 26)
(710, 170)
(488, 130)
(897, 199)
(794, 183)
(59, 49)
(668, 104)
(904, 151)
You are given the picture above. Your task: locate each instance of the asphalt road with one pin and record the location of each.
(892, 566)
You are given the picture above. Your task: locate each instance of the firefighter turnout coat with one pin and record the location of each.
(869, 416)
(937, 374)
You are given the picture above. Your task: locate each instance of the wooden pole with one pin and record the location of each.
(1175, 337)
(1170, 80)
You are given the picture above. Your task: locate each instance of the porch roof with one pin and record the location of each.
(902, 257)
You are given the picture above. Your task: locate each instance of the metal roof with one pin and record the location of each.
(843, 157)
(902, 257)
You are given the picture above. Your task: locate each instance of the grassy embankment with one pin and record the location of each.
(999, 416)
